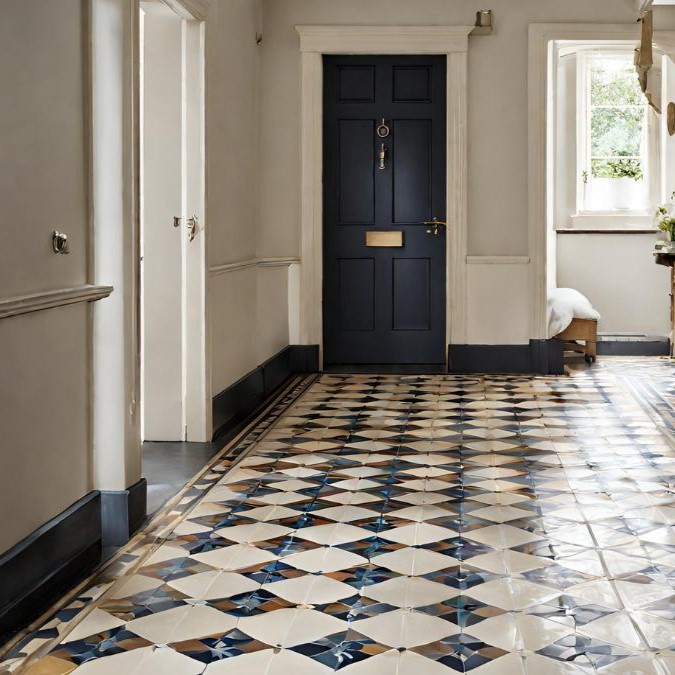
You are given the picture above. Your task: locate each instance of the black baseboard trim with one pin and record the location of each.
(236, 403)
(634, 348)
(539, 357)
(385, 369)
(41, 568)
(123, 513)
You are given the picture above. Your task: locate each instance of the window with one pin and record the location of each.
(616, 154)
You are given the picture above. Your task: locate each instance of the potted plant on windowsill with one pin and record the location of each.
(664, 219)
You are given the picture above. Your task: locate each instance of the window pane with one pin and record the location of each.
(616, 132)
(614, 82)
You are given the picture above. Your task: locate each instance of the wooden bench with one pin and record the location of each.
(581, 330)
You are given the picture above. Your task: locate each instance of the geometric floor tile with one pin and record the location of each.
(376, 524)
(182, 623)
(409, 592)
(290, 627)
(403, 628)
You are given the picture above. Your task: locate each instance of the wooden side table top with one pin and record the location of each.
(666, 259)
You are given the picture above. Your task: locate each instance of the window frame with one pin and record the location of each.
(580, 217)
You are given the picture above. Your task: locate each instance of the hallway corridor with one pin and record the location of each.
(381, 524)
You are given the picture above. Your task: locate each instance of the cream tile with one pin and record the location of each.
(346, 513)
(182, 623)
(311, 589)
(414, 561)
(267, 513)
(261, 531)
(404, 628)
(409, 592)
(395, 662)
(512, 593)
(659, 632)
(291, 627)
(596, 592)
(125, 587)
(506, 561)
(268, 662)
(616, 629)
(96, 621)
(417, 534)
(237, 557)
(334, 534)
(501, 536)
(638, 595)
(143, 661)
(422, 512)
(214, 584)
(324, 559)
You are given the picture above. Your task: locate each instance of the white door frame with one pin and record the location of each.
(541, 37)
(315, 41)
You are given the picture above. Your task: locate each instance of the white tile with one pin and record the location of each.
(182, 623)
(290, 627)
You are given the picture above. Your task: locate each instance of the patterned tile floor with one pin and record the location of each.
(402, 525)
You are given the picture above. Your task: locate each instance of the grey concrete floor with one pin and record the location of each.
(167, 466)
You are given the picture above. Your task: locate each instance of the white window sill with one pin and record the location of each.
(610, 222)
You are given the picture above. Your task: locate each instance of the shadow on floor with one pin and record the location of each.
(167, 466)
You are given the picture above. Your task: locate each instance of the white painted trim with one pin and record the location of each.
(217, 270)
(453, 42)
(277, 262)
(384, 39)
(497, 260)
(540, 38)
(190, 10)
(36, 302)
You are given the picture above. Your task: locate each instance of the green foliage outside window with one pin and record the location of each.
(617, 120)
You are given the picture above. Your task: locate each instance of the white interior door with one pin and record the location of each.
(175, 400)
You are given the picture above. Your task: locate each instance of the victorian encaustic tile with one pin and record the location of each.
(381, 524)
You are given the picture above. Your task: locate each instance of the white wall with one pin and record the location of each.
(248, 304)
(617, 273)
(45, 459)
(498, 128)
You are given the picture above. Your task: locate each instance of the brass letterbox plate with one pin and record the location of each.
(393, 238)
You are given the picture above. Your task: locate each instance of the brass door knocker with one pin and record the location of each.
(383, 130)
(383, 158)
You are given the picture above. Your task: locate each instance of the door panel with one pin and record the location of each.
(357, 185)
(412, 294)
(163, 244)
(411, 169)
(384, 305)
(357, 294)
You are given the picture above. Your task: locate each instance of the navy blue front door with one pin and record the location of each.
(384, 172)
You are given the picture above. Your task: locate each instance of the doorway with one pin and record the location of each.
(384, 211)
(174, 398)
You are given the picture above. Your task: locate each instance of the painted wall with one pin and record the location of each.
(617, 273)
(497, 140)
(248, 306)
(45, 459)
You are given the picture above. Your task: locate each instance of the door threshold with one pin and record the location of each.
(387, 368)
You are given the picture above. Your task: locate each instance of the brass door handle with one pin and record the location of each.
(434, 226)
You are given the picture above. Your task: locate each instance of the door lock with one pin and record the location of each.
(435, 226)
